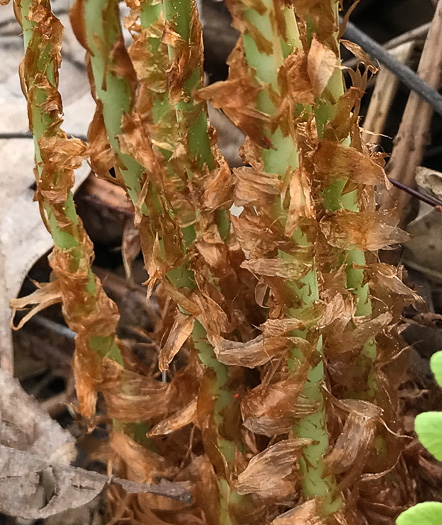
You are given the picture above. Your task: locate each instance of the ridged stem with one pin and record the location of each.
(278, 159)
(335, 199)
(41, 80)
(193, 132)
(114, 93)
(103, 35)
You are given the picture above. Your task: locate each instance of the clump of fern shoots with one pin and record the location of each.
(285, 399)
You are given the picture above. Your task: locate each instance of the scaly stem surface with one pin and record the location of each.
(114, 92)
(281, 158)
(335, 199)
(193, 132)
(81, 292)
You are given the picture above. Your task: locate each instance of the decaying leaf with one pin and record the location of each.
(334, 161)
(307, 513)
(252, 353)
(272, 409)
(321, 63)
(131, 247)
(354, 337)
(254, 187)
(270, 473)
(366, 230)
(237, 98)
(45, 295)
(294, 79)
(32, 488)
(353, 444)
(358, 52)
(176, 421)
(321, 14)
(293, 270)
(389, 288)
(133, 397)
(178, 335)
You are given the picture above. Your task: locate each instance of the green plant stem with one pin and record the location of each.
(335, 199)
(193, 131)
(278, 159)
(69, 235)
(103, 34)
(114, 93)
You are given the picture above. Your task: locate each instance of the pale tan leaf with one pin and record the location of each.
(321, 62)
(267, 474)
(179, 333)
(178, 420)
(305, 514)
(252, 353)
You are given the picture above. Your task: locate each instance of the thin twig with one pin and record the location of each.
(403, 72)
(412, 36)
(28, 135)
(413, 134)
(432, 201)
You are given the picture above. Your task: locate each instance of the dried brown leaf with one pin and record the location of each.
(237, 98)
(334, 161)
(150, 67)
(210, 244)
(218, 186)
(46, 295)
(254, 238)
(359, 53)
(255, 188)
(354, 443)
(250, 354)
(387, 286)
(307, 513)
(241, 22)
(355, 337)
(178, 420)
(270, 474)
(300, 200)
(278, 327)
(321, 63)
(291, 270)
(137, 143)
(186, 56)
(367, 230)
(132, 397)
(271, 409)
(131, 247)
(178, 335)
(294, 79)
(319, 14)
(102, 156)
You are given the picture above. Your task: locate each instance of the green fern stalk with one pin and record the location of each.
(193, 131)
(42, 40)
(335, 199)
(278, 159)
(115, 96)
